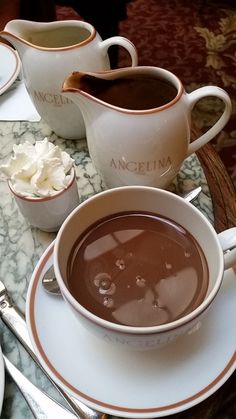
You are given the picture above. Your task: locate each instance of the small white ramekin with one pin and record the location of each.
(48, 213)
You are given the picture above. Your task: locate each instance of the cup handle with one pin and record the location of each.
(227, 241)
(194, 97)
(123, 42)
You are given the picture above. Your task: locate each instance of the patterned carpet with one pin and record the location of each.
(196, 41)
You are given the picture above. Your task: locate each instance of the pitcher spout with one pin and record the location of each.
(85, 90)
(73, 89)
(87, 83)
(72, 83)
(17, 31)
(95, 85)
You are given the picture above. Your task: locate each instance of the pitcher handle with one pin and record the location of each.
(227, 241)
(194, 97)
(122, 42)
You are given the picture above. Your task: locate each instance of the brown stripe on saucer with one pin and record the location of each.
(193, 399)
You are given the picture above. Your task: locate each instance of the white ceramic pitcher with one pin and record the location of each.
(49, 52)
(145, 146)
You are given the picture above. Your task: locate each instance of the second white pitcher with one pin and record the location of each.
(138, 122)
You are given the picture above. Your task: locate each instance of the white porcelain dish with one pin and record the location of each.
(9, 66)
(124, 382)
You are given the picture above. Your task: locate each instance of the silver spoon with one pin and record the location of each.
(49, 280)
(50, 283)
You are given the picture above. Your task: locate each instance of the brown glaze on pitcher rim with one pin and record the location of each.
(86, 41)
(180, 90)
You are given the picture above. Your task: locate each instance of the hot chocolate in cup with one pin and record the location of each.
(140, 266)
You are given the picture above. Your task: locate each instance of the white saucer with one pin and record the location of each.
(124, 382)
(2, 380)
(9, 67)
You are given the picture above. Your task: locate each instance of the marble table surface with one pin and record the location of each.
(21, 245)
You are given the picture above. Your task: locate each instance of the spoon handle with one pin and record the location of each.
(15, 321)
(42, 406)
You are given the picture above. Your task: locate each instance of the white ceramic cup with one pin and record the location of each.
(48, 213)
(219, 250)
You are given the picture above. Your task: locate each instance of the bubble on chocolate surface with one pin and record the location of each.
(108, 302)
(120, 263)
(107, 287)
(140, 281)
(101, 277)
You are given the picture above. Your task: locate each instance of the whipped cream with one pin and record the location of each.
(38, 170)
